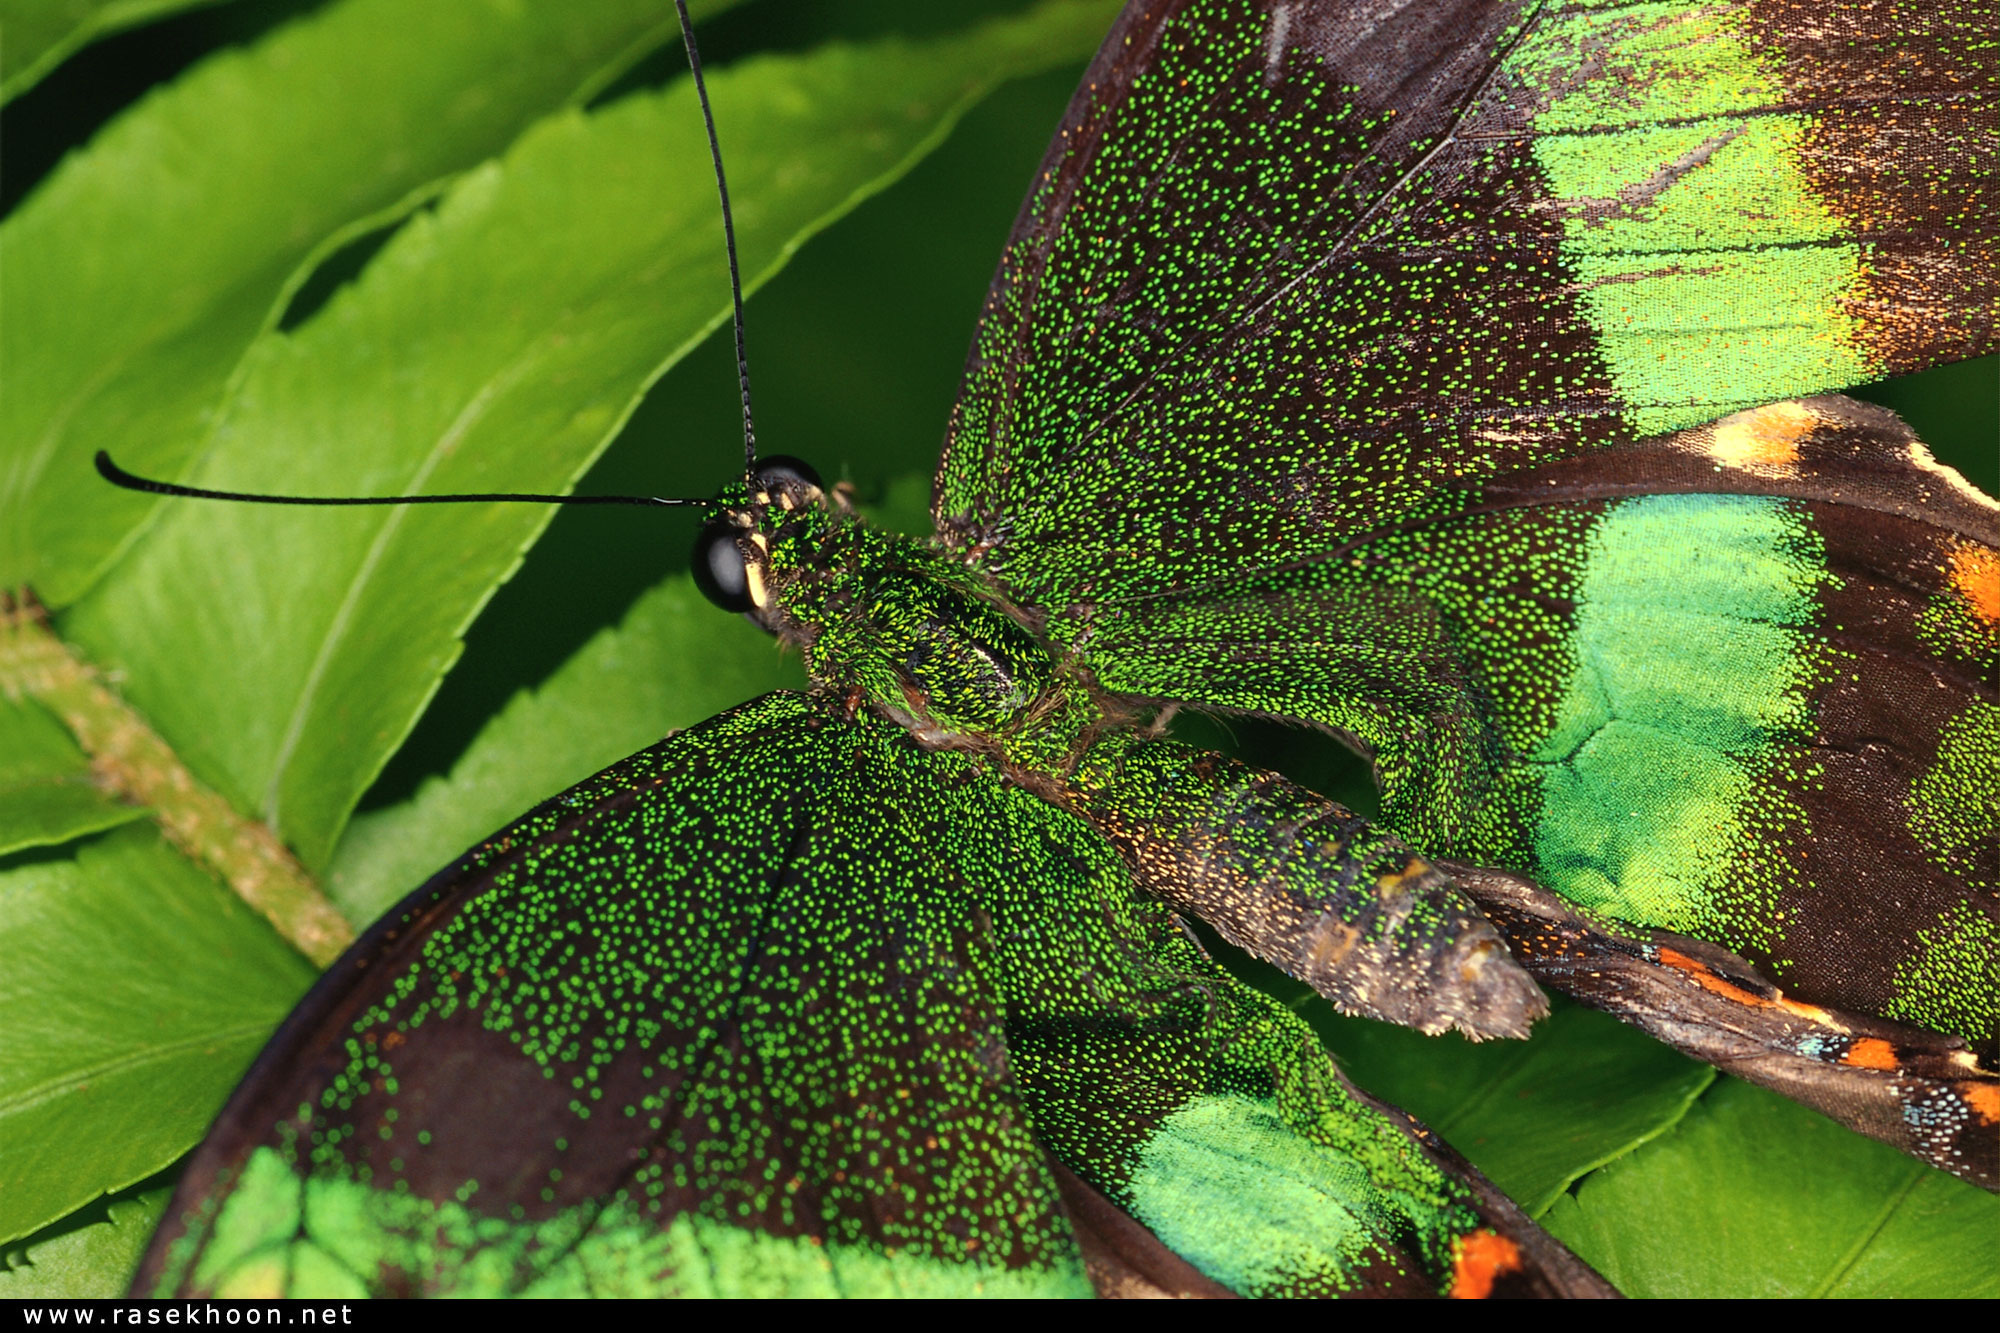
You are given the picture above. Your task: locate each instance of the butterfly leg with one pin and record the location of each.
(1305, 884)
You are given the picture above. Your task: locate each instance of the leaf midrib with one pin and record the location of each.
(337, 629)
(1913, 1176)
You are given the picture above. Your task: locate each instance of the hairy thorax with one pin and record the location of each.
(887, 624)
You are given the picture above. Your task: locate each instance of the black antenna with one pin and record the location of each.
(118, 476)
(728, 238)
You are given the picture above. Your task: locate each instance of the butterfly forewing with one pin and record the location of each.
(788, 1005)
(719, 1020)
(1345, 254)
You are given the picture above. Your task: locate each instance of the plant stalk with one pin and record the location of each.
(132, 761)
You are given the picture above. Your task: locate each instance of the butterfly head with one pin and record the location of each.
(732, 562)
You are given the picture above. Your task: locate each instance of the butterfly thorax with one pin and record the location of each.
(888, 624)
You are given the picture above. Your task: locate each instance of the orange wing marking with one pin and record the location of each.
(1984, 1099)
(1477, 1260)
(1871, 1053)
(1975, 573)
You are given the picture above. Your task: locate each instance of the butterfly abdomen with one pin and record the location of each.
(1306, 884)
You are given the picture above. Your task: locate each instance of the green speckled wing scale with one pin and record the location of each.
(787, 1005)
(1348, 253)
(1456, 381)
(681, 1029)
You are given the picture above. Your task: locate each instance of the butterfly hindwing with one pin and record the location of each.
(1750, 701)
(1796, 616)
(787, 1005)
(1735, 682)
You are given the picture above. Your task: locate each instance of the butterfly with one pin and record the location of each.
(1036, 516)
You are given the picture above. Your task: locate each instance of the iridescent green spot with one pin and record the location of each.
(313, 1269)
(1953, 813)
(1658, 766)
(1711, 270)
(263, 1211)
(1951, 979)
(1240, 1194)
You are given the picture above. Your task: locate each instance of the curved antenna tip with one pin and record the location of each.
(118, 476)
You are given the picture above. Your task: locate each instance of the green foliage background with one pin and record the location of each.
(379, 245)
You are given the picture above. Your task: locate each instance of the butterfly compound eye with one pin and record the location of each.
(720, 569)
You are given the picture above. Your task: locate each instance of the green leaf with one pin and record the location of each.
(1534, 1115)
(47, 793)
(625, 690)
(91, 1253)
(1753, 1195)
(38, 35)
(494, 345)
(135, 991)
(143, 266)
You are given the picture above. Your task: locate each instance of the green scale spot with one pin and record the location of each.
(1657, 771)
(1701, 246)
(1952, 809)
(1950, 980)
(1243, 1196)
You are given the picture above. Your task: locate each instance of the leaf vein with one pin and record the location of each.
(30, 1097)
(1847, 1262)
